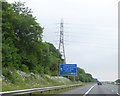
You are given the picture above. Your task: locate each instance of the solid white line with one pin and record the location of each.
(89, 90)
(118, 94)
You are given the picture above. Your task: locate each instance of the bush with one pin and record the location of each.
(24, 68)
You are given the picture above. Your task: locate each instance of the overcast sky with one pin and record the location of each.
(91, 32)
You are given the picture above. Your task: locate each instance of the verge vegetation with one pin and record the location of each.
(25, 57)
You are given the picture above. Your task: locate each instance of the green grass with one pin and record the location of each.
(57, 91)
(51, 92)
(0, 84)
(21, 80)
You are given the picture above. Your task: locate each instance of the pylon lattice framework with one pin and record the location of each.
(61, 41)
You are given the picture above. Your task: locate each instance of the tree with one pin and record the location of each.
(82, 76)
(22, 45)
(117, 81)
(10, 56)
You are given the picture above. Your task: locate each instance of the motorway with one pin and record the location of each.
(104, 89)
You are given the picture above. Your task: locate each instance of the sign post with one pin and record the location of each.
(68, 69)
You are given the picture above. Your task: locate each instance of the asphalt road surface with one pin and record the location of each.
(104, 89)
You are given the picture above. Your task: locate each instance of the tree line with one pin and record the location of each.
(22, 45)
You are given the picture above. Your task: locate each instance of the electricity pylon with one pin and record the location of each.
(61, 41)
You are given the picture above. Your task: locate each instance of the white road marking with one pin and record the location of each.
(89, 90)
(118, 94)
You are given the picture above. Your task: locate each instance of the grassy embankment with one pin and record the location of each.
(21, 80)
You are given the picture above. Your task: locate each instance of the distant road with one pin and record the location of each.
(95, 89)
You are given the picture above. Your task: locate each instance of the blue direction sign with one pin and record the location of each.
(68, 69)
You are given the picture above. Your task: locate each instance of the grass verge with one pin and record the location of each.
(51, 92)
(20, 80)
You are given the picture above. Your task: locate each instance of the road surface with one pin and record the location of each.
(104, 89)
